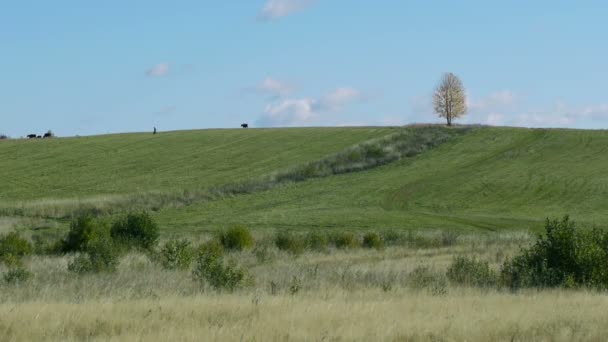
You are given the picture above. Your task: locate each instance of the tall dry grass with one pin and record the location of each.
(359, 295)
(331, 315)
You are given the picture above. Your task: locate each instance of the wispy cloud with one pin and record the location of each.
(272, 87)
(275, 9)
(159, 70)
(303, 111)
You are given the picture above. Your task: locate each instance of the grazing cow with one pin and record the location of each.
(39, 137)
(245, 125)
(31, 136)
(48, 135)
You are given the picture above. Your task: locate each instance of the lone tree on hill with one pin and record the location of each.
(450, 100)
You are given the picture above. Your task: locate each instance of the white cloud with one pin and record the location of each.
(275, 9)
(495, 101)
(272, 86)
(290, 112)
(159, 70)
(340, 97)
(304, 111)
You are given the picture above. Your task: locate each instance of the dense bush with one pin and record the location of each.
(344, 240)
(289, 242)
(83, 229)
(136, 230)
(176, 254)
(317, 241)
(101, 256)
(372, 240)
(471, 272)
(13, 245)
(236, 238)
(564, 257)
(211, 268)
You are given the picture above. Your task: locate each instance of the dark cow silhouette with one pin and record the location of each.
(31, 136)
(245, 125)
(48, 135)
(39, 137)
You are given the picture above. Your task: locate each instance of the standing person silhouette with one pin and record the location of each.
(154, 130)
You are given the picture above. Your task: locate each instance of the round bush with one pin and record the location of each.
(176, 254)
(344, 240)
(136, 230)
(13, 245)
(373, 240)
(236, 238)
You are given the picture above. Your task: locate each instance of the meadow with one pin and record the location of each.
(339, 294)
(397, 206)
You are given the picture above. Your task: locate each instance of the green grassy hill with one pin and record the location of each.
(132, 163)
(487, 179)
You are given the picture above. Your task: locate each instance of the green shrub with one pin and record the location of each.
(317, 241)
(176, 254)
(101, 256)
(17, 274)
(82, 230)
(471, 272)
(136, 230)
(210, 268)
(344, 240)
(372, 240)
(289, 242)
(13, 245)
(374, 152)
(564, 257)
(236, 238)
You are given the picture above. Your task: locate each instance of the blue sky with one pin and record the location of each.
(84, 67)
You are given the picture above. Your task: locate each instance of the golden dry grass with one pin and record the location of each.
(332, 315)
(353, 295)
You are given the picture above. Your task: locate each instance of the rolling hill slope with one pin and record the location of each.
(487, 179)
(490, 179)
(131, 163)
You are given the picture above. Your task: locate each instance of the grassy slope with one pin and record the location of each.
(490, 179)
(130, 163)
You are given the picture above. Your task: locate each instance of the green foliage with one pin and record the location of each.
(342, 240)
(372, 240)
(176, 254)
(101, 255)
(467, 271)
(136, 230)
(564, 257)
(290, 242)
(211, 268)
(83, 229)
(12, 245)
(236, 238)
(317, 241)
